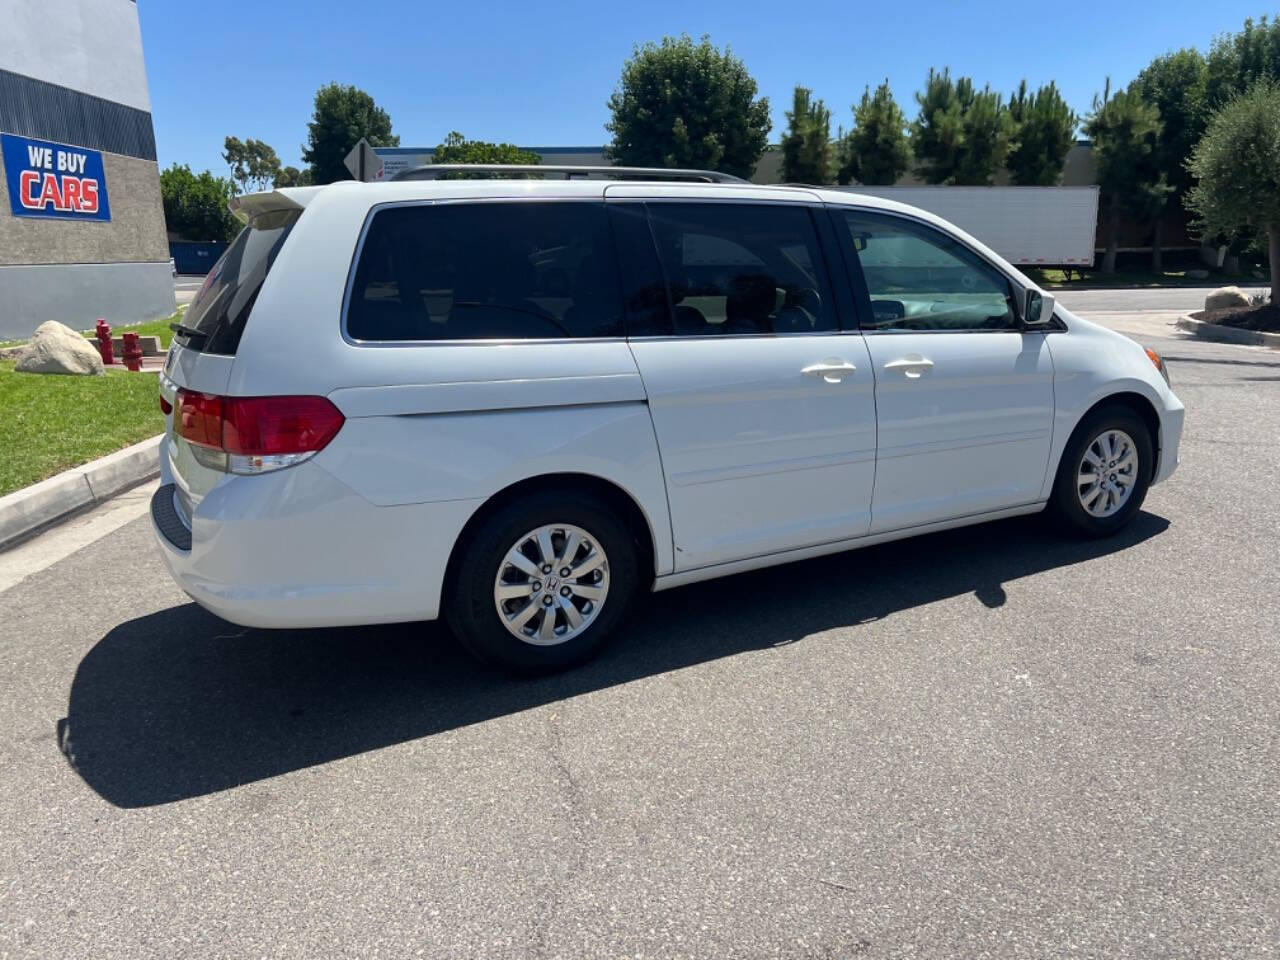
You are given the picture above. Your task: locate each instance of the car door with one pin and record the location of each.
(763, 408)
(964, 396)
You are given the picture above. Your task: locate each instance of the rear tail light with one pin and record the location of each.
(254, 434)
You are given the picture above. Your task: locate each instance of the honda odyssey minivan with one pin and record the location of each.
(518, 404)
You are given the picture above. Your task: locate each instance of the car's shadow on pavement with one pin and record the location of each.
(179, 704)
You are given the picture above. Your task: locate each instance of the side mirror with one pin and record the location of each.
(1038, 309)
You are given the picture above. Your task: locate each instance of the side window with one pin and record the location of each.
(643, 292)
(483, 271)
(736, 269)
(918, 278)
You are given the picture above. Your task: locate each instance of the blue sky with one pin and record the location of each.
(539, 74)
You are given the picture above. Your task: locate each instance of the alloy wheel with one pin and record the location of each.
(1107, 473)
(551, 584)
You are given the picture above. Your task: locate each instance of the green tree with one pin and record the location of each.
(458, 149)
(343, 114)
(962, 135)
(252, 162)
(876, 151)
(1237, 61)
(937, 135)
(988, 134)
(195, 207)
(685, 104)
(292, 177)
(1237, 168)
(1175, 85)
(806, 147)
(1125, 129)
(1044, 128)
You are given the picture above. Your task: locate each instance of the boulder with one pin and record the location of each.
(56, 348)
(1224, 298)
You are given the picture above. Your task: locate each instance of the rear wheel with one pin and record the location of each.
(543, 583)
(1104, 472)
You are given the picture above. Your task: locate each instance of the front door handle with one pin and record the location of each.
(831, 370)
(913, 366)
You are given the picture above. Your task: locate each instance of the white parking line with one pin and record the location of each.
(65, 539)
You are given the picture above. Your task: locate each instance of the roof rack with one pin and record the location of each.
(434, 171)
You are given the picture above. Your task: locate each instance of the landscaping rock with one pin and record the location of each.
(56, 348)
(1224, 298)
(1198, 274)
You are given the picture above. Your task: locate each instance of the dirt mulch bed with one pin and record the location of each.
(1265, 317)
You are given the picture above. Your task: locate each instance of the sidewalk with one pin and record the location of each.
(25, 512)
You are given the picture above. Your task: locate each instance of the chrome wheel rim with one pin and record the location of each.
(551, 585)
(1107, 473)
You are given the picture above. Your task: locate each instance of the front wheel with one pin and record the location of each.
(1104, 472)
(543, 583)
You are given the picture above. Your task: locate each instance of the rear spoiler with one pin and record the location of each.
(259, 209)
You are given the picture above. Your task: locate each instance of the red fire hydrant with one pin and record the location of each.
(103, 332)
(132, 352)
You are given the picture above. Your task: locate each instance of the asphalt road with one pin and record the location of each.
(985, 743)
(1163, 300)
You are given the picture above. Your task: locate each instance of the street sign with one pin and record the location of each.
(363, 162)
(394, 160)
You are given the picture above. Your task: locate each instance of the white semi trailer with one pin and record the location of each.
(1038, 226)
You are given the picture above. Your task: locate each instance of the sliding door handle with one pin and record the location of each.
(831, 370)
(913, 366)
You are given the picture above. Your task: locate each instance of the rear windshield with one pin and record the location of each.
(221, 308)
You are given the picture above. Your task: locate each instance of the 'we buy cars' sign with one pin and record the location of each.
(54, 180)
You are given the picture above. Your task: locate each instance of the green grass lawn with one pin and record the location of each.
(49, 423)
(1054, 277)
(1050, 277)
(156, 328)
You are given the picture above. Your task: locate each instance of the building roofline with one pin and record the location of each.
(544, 151)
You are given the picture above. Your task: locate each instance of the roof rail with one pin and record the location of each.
(434, 171)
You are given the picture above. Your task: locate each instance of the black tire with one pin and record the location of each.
(469, 603)
(1065, 504)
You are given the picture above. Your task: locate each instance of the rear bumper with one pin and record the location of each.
(298, 548)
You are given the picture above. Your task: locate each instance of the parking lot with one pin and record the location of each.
(989, 742)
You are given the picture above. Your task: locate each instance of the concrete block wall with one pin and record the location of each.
(83, 85)
(134, 234)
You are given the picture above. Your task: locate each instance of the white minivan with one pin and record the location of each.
(519, 403)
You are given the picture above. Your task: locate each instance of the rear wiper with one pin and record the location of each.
(188, 332)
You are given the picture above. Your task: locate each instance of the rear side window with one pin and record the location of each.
(742, 269)
(221, 309)
(484, 271)
(644, 293)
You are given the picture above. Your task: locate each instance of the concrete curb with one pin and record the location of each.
(29, 510)
(1220, 334)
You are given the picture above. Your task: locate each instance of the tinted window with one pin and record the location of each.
(476, 271)
(741, 269)
(921, 279)
(643, 292)
(221, 309)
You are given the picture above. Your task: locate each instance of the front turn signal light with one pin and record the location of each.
(1158, 360)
